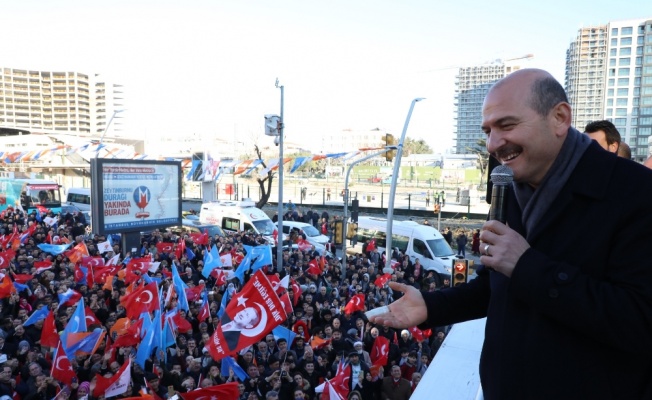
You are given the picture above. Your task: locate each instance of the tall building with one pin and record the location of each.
(609, 76)
(52, 101)
(472, 85)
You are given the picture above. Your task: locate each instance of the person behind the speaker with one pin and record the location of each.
(568, 314)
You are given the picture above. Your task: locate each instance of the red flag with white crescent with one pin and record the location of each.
(380, 351)
(250, 315)
(355, 304)
(296, 288)
(61, 367)
(141, 300)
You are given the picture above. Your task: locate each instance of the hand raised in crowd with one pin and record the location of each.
(409, 310)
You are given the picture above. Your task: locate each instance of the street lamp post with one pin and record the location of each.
(279, 237)
(106, 129)
(392, 190)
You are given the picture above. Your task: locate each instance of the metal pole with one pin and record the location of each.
(346, 195)
(392, 190)
(99, 147)
(279, 246)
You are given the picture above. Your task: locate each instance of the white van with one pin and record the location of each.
(79, 197)
(417, 241)
(234, 216)
(313, 236)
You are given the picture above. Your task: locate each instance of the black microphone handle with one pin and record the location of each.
(498, 209)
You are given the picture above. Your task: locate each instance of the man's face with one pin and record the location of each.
(396, 372)
(601, 137)
(519, 137)
(246, 317)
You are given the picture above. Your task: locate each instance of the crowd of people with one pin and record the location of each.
(274, 368)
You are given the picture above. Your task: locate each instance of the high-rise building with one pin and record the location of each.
(472, 85)
(52, 101)
(609, 76)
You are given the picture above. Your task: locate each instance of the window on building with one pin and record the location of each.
(610, 102)
(625, 51)
(620, 121)
(621, 102)
(614, 31)
(623, 82)
(612, 62)
(613, 52)
(626, 41)
(609, 112)
(623, 71)
(640, 40)
(611, 82)
(621, 112)
(627, 30)
(625, 61)
(646, 121)
(610, 92)
(614, 42)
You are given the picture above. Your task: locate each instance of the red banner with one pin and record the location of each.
(250, 315)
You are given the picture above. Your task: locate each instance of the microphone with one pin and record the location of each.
(501, 177)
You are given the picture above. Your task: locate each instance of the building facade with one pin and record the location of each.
(472, 85)
(609, 76)
(51, 101)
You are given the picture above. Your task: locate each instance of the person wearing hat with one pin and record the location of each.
(364, 355)
(357, 368)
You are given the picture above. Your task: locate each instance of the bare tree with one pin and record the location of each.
(265, 182)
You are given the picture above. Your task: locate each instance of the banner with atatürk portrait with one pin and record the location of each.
(251, 314)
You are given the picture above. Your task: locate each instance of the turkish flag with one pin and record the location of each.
(236, 258)
(355, 304)
(380, 351)
(287, 303)
(371, 246)
(181, 248)
(304, 245)
(164, 247)
(182, 324)
(61, 367)
(101, 274)
(103, 384)
(250, 315)
(226, 391)
(199, 238)
(92, 262)
(42, 209)
(313, 268)
(140, 264)
(340, 383)
(141, 300)
(23, 278)
(220, 276)
(276, 284)
(296, 288)
(91, 319)
(6, 257)
(382, 280)
(49, 335)
(131, 337)
(418, 334)
(194, 294)
(204, 312)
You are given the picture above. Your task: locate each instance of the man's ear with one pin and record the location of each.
(561, 116)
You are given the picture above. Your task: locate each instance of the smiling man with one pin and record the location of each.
(565, 283)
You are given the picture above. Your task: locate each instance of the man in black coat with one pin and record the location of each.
(565, 282)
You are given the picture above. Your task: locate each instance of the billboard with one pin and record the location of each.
(134, 195)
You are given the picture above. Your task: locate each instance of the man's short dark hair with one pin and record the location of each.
(546, 94)
(610, 132)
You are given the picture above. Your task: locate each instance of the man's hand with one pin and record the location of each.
(501, 247)
(409, 310)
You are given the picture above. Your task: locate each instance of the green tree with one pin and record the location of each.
(412, 146)
(483, 157)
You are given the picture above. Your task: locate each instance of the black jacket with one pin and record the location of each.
(573, 320)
